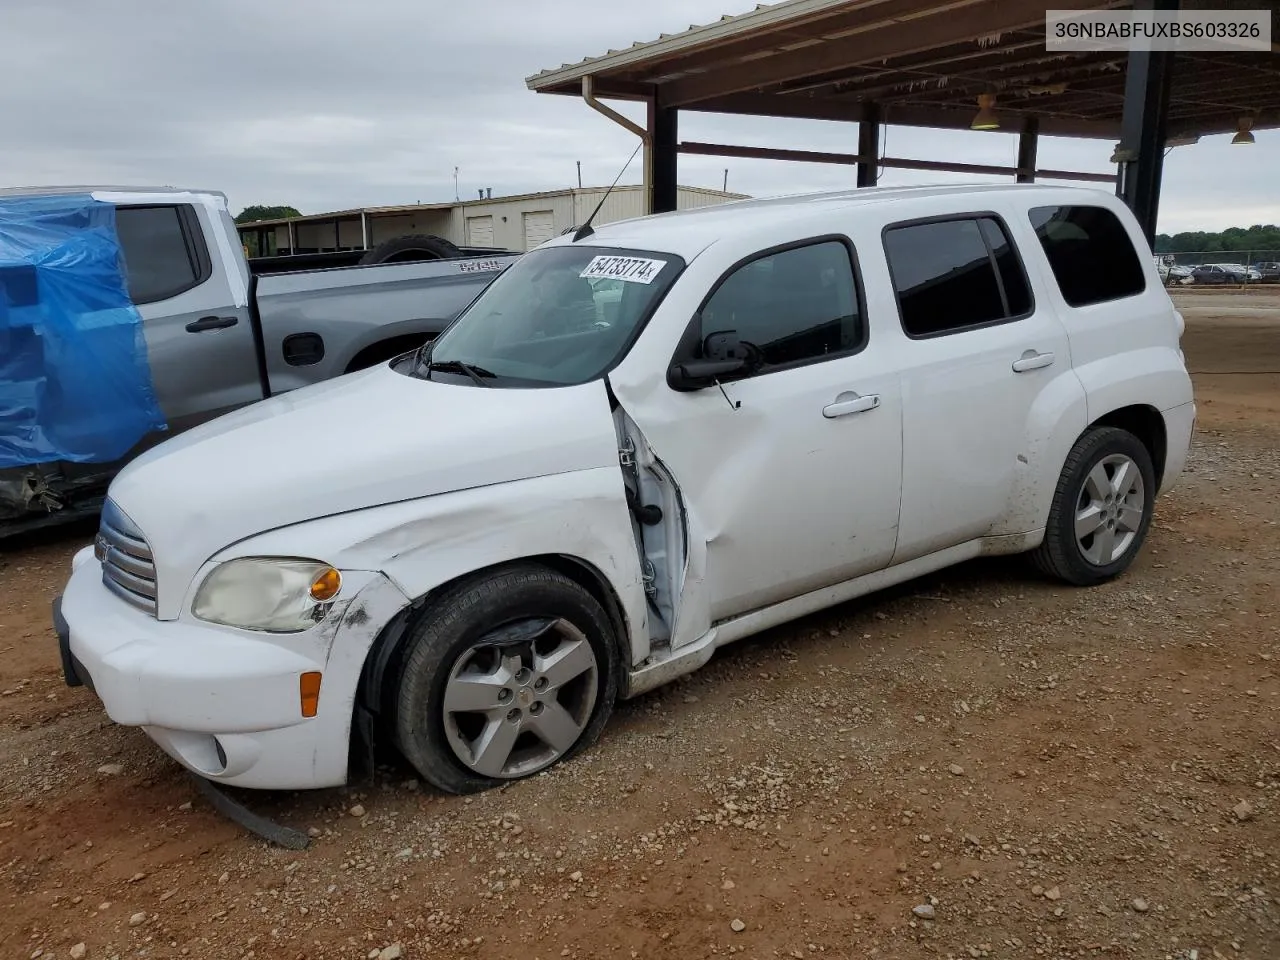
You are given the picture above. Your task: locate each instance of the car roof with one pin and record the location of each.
(688, 232)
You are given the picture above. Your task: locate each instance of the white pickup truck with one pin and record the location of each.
(639, 444)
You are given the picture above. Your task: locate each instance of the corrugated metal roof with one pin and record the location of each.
(727, 27)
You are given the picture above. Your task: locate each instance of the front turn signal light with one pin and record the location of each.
(309, 692)
(326, 585)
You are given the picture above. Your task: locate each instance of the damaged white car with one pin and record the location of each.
(637, 445)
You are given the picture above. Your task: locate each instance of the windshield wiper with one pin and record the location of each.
(477, 374)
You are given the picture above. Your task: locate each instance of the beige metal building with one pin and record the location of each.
(512, 223)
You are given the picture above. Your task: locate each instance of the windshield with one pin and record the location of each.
(557, 316)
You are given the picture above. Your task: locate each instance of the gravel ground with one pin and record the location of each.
(979, 764)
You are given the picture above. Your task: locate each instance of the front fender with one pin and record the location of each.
(425, 543)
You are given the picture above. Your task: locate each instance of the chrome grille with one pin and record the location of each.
(128, 569)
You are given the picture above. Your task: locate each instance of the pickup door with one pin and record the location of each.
(200, 341)
(793, 479)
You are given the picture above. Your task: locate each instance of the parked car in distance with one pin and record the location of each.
(1170, 271)
(1268, 271)
(1224, 273)
(215, 337)
(788, 403)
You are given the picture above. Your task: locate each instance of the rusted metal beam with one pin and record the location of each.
(662, 126)
(883, 38)
(1148, 82)
(1028, 138)
(899, 163)
(769, 153)
(869, 145)
(945, 117)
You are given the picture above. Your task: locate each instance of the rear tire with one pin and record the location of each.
(506, 675)
(411, 248)
(1101, 509)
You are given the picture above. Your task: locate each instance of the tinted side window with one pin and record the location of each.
(1090, 254)
(161, 255)
(795, 305)
(953, 274)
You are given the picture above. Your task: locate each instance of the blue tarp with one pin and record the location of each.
(74, 380)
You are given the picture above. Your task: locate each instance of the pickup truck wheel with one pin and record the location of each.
(1101, 508)
(505, 676)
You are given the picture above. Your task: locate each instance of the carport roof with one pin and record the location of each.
(924, 62)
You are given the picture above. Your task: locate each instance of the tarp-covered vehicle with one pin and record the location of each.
(129, 315)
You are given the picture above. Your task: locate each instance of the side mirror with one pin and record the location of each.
(723, 355)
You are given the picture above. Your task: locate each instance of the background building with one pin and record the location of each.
(512, 223)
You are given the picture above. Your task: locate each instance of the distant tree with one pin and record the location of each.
(258, 212)
(1255, 239)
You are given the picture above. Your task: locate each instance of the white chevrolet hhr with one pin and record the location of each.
(638, 444)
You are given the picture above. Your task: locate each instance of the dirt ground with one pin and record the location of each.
(1054, 772)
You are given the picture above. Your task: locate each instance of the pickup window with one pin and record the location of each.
(164, 251)
(794, 305)
(1090, 253)
(955, 274)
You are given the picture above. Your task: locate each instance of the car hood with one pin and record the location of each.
(362, 440)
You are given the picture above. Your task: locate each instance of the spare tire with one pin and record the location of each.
(411, 248)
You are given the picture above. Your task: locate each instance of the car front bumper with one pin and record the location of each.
(223, 703)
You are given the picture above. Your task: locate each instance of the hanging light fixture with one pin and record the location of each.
(1244, 131)
(986, 118)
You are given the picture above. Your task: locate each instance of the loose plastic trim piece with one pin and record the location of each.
(258, 825)
(75, 384)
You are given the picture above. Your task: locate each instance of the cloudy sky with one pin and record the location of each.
(329, 104)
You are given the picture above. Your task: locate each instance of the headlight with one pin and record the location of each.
(272, 594)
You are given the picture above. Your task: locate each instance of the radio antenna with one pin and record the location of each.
(585, 230)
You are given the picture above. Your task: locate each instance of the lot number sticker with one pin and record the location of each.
(630, 269)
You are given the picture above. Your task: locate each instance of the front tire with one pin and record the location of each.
(505, 676)
(1101, 509)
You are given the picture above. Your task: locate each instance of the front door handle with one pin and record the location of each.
(211, 323)
(1031, 360)
(850, 402)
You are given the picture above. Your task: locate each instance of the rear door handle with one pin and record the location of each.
(1032, 361)
(211, 323)
(850, 402)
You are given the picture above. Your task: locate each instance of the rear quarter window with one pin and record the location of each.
(955, 273)
(164, 251)
(1090, 253)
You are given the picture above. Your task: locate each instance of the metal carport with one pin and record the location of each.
(926, 63)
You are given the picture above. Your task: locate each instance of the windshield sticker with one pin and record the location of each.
(630, 269)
